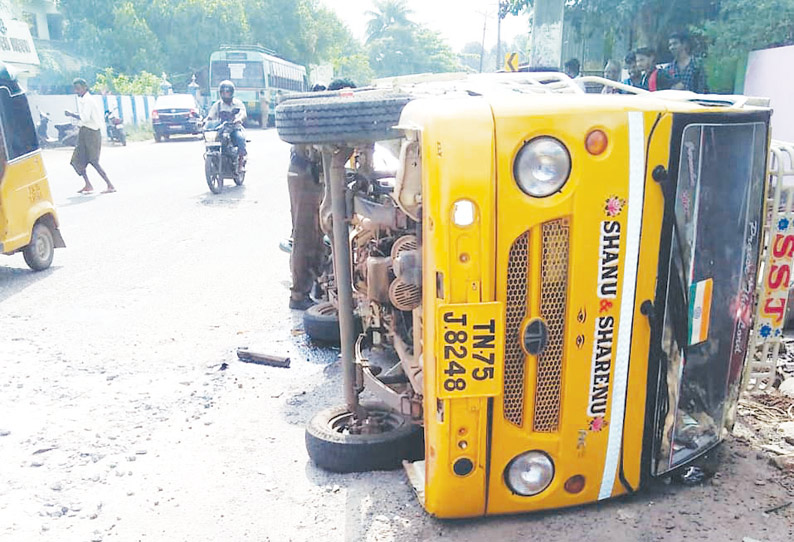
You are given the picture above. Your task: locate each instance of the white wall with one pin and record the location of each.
(56, 104)
(769, 75)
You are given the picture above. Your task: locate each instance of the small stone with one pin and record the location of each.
(783, 462)
(787, 387)
(130, 493)
(36, 464)
(4, 432)
(140, 452)
(56, 486)
(131, 458)
(760, 483)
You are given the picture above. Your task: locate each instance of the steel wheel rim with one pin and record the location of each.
(42, 247)
(342, 423)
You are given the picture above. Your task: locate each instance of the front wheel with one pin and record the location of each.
(38, 254)
(213, 174)
(337, 442)
(123, 138)
(239, 176)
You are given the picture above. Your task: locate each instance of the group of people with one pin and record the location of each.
(642, 71)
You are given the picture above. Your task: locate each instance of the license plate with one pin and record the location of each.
(470, 350)
(175, 127)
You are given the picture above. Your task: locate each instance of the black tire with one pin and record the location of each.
(333, 449)
(239, 177)
(38, 254)
(363, 117)
(123, 138)
(157, 137)
(213, 175)
(321, 323)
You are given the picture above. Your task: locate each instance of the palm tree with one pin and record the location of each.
(387, 15)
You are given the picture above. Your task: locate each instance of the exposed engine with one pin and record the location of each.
(386, 257)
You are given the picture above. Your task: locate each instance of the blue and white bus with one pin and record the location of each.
(258, 76)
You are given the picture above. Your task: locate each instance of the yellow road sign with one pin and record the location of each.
(511, 62)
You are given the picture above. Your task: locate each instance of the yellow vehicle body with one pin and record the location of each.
(28, 219)
(584, 260)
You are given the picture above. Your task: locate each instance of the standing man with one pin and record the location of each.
(89, 139)
(612, 72)
(572, 68)
(634, 78)
(654, 78)
(305, 196)
(684, 67)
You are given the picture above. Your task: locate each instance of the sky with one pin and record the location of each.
(458, 21)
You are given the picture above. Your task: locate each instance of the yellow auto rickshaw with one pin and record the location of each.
(556, 289)
(28, 221)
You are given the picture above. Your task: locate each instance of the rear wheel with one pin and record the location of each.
(363, 117)
(338, 442)
(157, 137)
(213, 174)
(38, 254)
(123, 138)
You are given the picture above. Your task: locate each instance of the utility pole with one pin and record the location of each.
(482, 47)
(501, 13)
(546, 45)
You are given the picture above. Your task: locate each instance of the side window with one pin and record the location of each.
(18, 128)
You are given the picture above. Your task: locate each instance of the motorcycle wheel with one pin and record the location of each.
(239, 177)
(123, 138)
(213, 174)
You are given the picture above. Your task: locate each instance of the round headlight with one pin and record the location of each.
(529, 473)
(542, 166)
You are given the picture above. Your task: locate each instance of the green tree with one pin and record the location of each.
(648, 22)
(388, 15)
(740, 27)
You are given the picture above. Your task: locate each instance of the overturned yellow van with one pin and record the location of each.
(556, 289)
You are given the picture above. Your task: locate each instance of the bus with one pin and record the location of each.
(259, 77)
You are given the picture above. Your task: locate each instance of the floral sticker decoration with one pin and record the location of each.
(614, 205)
(598, 424)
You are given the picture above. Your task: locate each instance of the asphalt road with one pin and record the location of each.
(125, 415)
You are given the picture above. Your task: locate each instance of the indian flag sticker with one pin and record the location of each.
(699, 311)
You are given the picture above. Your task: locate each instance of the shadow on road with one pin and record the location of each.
(13, 279)
(231, 196)
(80, 198)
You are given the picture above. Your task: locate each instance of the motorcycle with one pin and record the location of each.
(221, 156)
(115, 127)
(67, 133)
(41, 131)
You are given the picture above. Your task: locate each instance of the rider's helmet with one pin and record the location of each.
(226, 91)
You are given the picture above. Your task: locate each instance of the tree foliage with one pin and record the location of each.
(144, 83)
(178, 36)
(398, 46)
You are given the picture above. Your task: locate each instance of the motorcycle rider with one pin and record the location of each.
(227, 103)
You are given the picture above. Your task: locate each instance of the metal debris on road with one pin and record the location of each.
(262, 359)
(778, 507)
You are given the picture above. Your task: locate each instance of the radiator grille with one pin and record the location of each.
(553, 296)
(515, 311)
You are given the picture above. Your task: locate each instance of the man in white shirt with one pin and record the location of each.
(89, 140)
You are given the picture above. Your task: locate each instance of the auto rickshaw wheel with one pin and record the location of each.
(337, 442)
(38, 254)
(364, 116)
